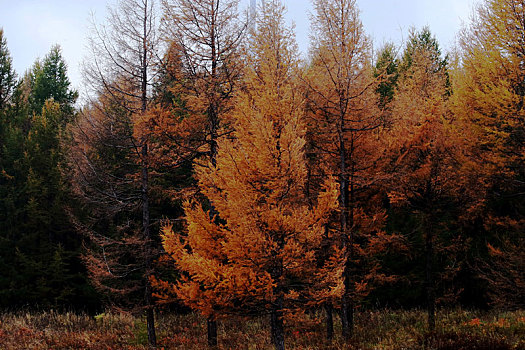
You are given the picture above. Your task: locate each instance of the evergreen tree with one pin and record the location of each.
(40, 251)
(7, 73)
(49, 80)
(387, 70)
(425, 158)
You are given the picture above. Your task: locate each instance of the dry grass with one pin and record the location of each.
(52, 330)
(374, 330)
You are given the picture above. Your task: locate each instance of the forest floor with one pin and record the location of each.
(386, 329)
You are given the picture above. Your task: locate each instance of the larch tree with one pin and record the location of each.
(489, 99)
(341, 90)
(256, 254)
(208, 34)
(121, 72)
(105, 178)
(176, 136)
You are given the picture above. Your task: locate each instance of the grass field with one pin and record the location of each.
(457, 329)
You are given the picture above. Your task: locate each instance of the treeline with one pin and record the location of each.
(215, 169)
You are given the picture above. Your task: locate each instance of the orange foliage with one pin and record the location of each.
(242, 257)
(345, 139)
(489, 100)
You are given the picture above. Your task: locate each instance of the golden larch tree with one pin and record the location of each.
(489, 100)
(344, 124)
(264, 235)
(208, 34)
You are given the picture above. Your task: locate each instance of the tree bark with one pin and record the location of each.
(212, 108)
(150, 323)
(212, 116)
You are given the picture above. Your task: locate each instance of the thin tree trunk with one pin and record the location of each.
(212, 111)
(351, 239)
(277, 324)
(150, 317)
(346, 306)
(347, 317)
(212, 332)
(152, 339)
(211, 322)
(329, 322)
(150, 321)
(276, 312)
(431, 297)
(213, 122)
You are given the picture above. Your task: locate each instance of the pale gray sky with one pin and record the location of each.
(33, 26)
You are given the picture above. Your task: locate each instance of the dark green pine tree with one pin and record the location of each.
(48, 79)
(40, 252)
(11, 152)
(7, 74)
(425, 163)
(424, 40)
(42, 221)
(387, 70)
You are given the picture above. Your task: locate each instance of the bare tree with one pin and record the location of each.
(120, 72)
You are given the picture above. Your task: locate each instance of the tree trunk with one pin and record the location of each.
(431, 297)
(150, 318)
(213, 124)
(212, 331)
(344, 205)
(152, 339)
(329, 322)
(347, 318)
(212, 108)
(277, 324)
(276, 312)
(150, 324)
(211, 322)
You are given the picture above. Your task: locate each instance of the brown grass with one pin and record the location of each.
(374, 330)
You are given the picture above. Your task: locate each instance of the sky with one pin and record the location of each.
(32, 27)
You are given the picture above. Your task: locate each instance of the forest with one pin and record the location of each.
(220, 190)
